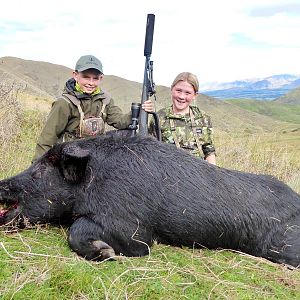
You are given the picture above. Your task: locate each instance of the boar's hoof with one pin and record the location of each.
(106, 252)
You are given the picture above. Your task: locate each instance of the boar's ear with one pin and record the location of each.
(73, 163)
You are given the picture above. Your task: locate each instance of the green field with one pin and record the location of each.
(37, 264)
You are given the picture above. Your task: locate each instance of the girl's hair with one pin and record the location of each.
(188, 77)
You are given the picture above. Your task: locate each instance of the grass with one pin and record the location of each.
(37, 263)
(19, 130)
(278, 111)
(18, 150)
(276, 154)
(36, 103)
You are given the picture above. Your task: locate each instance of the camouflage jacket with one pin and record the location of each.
(185, 132)
(63, 120)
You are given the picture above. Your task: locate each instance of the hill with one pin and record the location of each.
(292, 97)
(41, 78)
(274, 109)
(41, 82)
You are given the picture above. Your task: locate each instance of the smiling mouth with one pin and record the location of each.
(181, 101)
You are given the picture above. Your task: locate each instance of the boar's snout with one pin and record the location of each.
(9, 205)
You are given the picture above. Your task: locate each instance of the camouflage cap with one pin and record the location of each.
(88, 62)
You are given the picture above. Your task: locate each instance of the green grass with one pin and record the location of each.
(37, 264)
(282, 112)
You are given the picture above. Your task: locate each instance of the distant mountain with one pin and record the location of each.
(268, 88)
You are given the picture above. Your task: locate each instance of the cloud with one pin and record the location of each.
(292, 9)
(217, 40)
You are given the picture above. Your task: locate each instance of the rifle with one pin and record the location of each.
(140, 116)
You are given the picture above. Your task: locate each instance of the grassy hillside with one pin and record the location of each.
(292, 97)
(41, 78)
(275, 110)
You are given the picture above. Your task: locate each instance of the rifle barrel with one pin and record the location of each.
(149, 35)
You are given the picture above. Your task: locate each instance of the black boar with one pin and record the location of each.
(122, 193)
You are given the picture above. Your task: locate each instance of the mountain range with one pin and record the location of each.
(268, 88)
(39, 83)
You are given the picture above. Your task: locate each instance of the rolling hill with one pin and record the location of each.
(274, 109)
(40, 78)
(292, 97)
(40, 82)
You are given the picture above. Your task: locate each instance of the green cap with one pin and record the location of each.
(88, 62)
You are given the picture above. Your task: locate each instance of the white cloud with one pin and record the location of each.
(217, 40)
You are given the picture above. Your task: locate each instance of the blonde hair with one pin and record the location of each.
(188, 77)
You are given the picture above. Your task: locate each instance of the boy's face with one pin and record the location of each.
(88, 80)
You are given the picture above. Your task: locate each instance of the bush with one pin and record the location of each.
(10, 114)
(19, 130)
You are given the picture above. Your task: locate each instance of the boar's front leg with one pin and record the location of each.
(86, 240)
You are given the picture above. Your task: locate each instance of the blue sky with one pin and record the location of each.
(217, 40)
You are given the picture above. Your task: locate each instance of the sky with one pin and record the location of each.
(219, 41)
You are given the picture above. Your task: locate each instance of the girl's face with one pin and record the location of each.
(182, 95)
(88, 80)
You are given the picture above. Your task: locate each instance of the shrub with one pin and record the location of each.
(10, 113)
(19, 130)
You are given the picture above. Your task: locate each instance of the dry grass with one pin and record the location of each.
(40, 104)
(276, 154)
(19, 129)
(10, 114)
